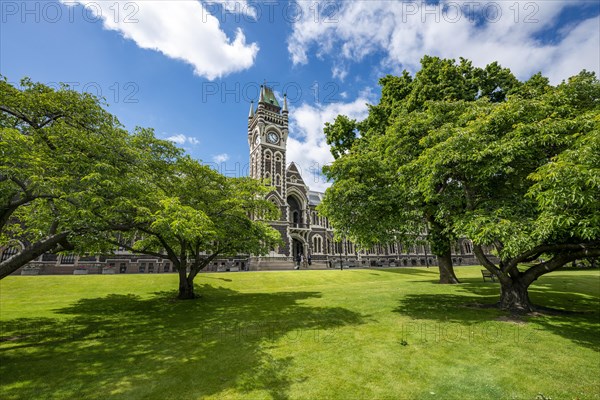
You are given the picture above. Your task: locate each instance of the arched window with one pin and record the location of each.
(317, 244)
(468, 247)
(295, 211)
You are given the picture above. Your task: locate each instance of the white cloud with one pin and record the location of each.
(180, 29)
(307, 146)
(221, 158)
(339, 72)
(405, 31)
(181, 139)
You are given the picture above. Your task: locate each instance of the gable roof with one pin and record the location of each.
(292, 172)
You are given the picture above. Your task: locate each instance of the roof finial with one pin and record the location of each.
(261, 98)
(251, 114)
(285, 109)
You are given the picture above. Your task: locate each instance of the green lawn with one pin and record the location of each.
(359, 334)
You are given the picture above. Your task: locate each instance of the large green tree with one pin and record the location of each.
(63, 163)
(513, 166)
(190, 214)
(525, 175)
(373, 197)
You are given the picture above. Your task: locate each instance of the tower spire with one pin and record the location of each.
(261, 98)
(251, 113)
(285, 109)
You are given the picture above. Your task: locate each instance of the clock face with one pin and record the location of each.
(272, 137)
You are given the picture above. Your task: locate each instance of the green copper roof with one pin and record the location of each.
(269, 97)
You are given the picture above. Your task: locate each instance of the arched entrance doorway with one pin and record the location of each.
(297, 248)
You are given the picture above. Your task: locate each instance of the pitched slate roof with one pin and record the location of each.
(315, 198)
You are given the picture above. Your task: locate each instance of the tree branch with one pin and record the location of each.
(30, 253)
(558, 261)
(534, 253)
(133, 250)
(489, 265)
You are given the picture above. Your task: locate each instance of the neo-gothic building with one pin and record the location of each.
(303, 230)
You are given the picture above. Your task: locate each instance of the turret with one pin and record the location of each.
(285, 108)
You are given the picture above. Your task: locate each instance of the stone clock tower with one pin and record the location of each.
(304, 233)
(267, 138)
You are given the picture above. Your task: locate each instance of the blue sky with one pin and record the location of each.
(189, 68)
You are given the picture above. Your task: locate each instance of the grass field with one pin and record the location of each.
(358, 334)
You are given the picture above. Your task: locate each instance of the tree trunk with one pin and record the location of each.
(514, 296)
(186, 286)
(30, 253)
(446, 269)
(441, 247)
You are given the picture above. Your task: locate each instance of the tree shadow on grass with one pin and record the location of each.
(131, 347)
(461, 308)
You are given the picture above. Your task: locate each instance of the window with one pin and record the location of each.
(468, 248)
(317, 244)
(142, 267)
(68, 259)
(8, 253)
(150, 267)
(167, 267)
